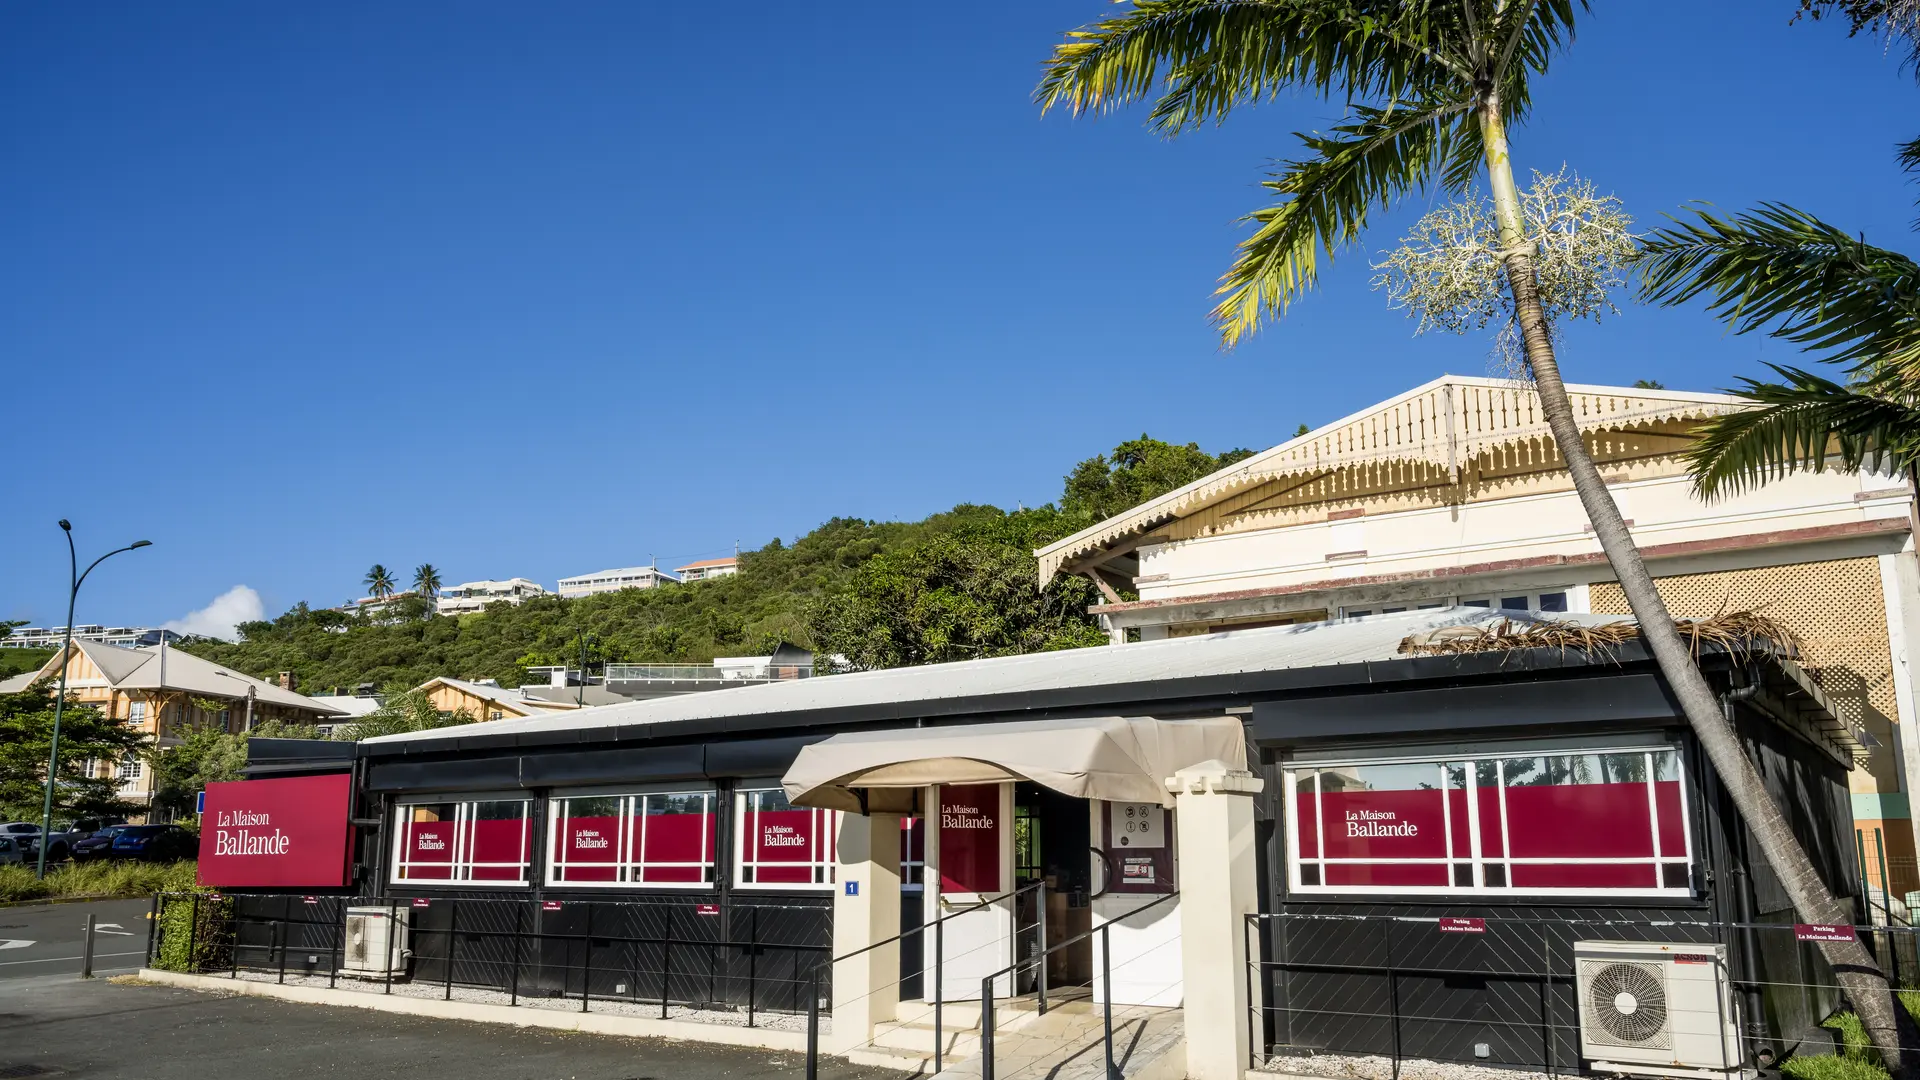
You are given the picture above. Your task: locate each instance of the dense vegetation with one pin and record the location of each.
(957, 585)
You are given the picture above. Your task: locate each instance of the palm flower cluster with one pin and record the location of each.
(1449, 272)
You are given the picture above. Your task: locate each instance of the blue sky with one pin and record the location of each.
(539, 291)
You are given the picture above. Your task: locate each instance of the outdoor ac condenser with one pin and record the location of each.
(1656, 1009)
(376, 942)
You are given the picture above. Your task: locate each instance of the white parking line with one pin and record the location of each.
(52, 959)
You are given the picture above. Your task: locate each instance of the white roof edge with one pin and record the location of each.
(1248, 464)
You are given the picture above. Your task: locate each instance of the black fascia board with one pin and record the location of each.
(1235, 688)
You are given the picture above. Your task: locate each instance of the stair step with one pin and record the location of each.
(905, 1061)
(919, 1038)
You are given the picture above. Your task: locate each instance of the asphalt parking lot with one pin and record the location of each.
(61, 1026)
(45, 939)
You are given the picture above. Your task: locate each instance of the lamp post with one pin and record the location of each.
(66, 661)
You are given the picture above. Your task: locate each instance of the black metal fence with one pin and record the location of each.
(671, 954)
(1501, 989)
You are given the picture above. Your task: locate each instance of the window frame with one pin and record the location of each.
(1471, 756)
(629, 860)
(827, 826)
(463, 820)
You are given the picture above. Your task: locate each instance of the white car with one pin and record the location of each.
(25, 836)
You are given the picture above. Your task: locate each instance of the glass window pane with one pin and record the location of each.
(677, 838)
(1513, 603)
(1553, 601)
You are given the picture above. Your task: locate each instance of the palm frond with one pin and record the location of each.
(1206, 56)
(1800, 423)
(1786, 272)
(1910, 155)
(1367, 164)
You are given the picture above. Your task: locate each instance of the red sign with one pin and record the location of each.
(1453, 924)
(281, 833)
(969, 845)
(421, 901)
(786, 845)
(1823, 932)
(707, 909)
(549, 905)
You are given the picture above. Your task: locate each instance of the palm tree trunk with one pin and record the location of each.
(1854, 968)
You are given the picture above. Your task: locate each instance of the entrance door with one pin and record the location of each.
(1050, 840)
(970, 860)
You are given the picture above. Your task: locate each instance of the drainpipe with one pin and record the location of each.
(1743, 894)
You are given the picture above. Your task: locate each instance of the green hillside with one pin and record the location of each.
(957, 585)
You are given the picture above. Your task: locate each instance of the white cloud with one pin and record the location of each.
(218, 619)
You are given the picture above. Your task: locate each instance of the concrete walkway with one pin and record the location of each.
(1069, 1043)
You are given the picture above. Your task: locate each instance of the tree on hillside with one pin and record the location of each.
(960, 595)
(379, 581)
(426, 580)
(1137, 470)
(1431, 91)
(26, 737)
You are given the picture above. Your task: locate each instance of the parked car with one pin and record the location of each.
(98, 845)
(25, 836)
(11, 851)
(155, 843)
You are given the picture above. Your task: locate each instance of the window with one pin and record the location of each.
(913, 851)
(136, 712)
(662, 839)
(779, 845)
(1546, 601)
(129, 769)
(1559, 823)
(463, 842)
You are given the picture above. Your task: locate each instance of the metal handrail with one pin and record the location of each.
(939, 956)
(1106, 968)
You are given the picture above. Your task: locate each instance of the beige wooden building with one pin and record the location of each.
(1453, 494)
(486, 702)
(162, 691)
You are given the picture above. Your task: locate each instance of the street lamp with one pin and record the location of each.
(66, 661)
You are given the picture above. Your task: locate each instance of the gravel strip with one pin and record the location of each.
(1380, 1067)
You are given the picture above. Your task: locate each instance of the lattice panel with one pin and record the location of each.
(1835, 606)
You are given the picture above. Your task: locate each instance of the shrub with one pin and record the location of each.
(97, 879)
(195, 933)
(116, 878)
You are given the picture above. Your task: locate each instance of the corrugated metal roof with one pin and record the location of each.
(1278, 648)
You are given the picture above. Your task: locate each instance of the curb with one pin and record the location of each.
(87, 899)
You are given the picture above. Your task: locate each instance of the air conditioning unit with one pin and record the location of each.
(1656, 1009)
(376, 942)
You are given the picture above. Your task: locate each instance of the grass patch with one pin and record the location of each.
(1832, 1067)
(117, 878)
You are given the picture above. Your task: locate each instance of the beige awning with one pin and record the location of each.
(1117, 758)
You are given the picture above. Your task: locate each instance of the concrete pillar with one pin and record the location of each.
(866, 909)
(1213, 817)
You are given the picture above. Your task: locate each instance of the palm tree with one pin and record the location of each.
(379, 581)
(1797, 278)
(426, 580)
(1432, 88)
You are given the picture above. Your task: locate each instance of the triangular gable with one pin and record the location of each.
(1444, 423)
(114, 663)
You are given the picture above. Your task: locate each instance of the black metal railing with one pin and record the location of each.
(1502, 989)
(938, 927)
(755, 958)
